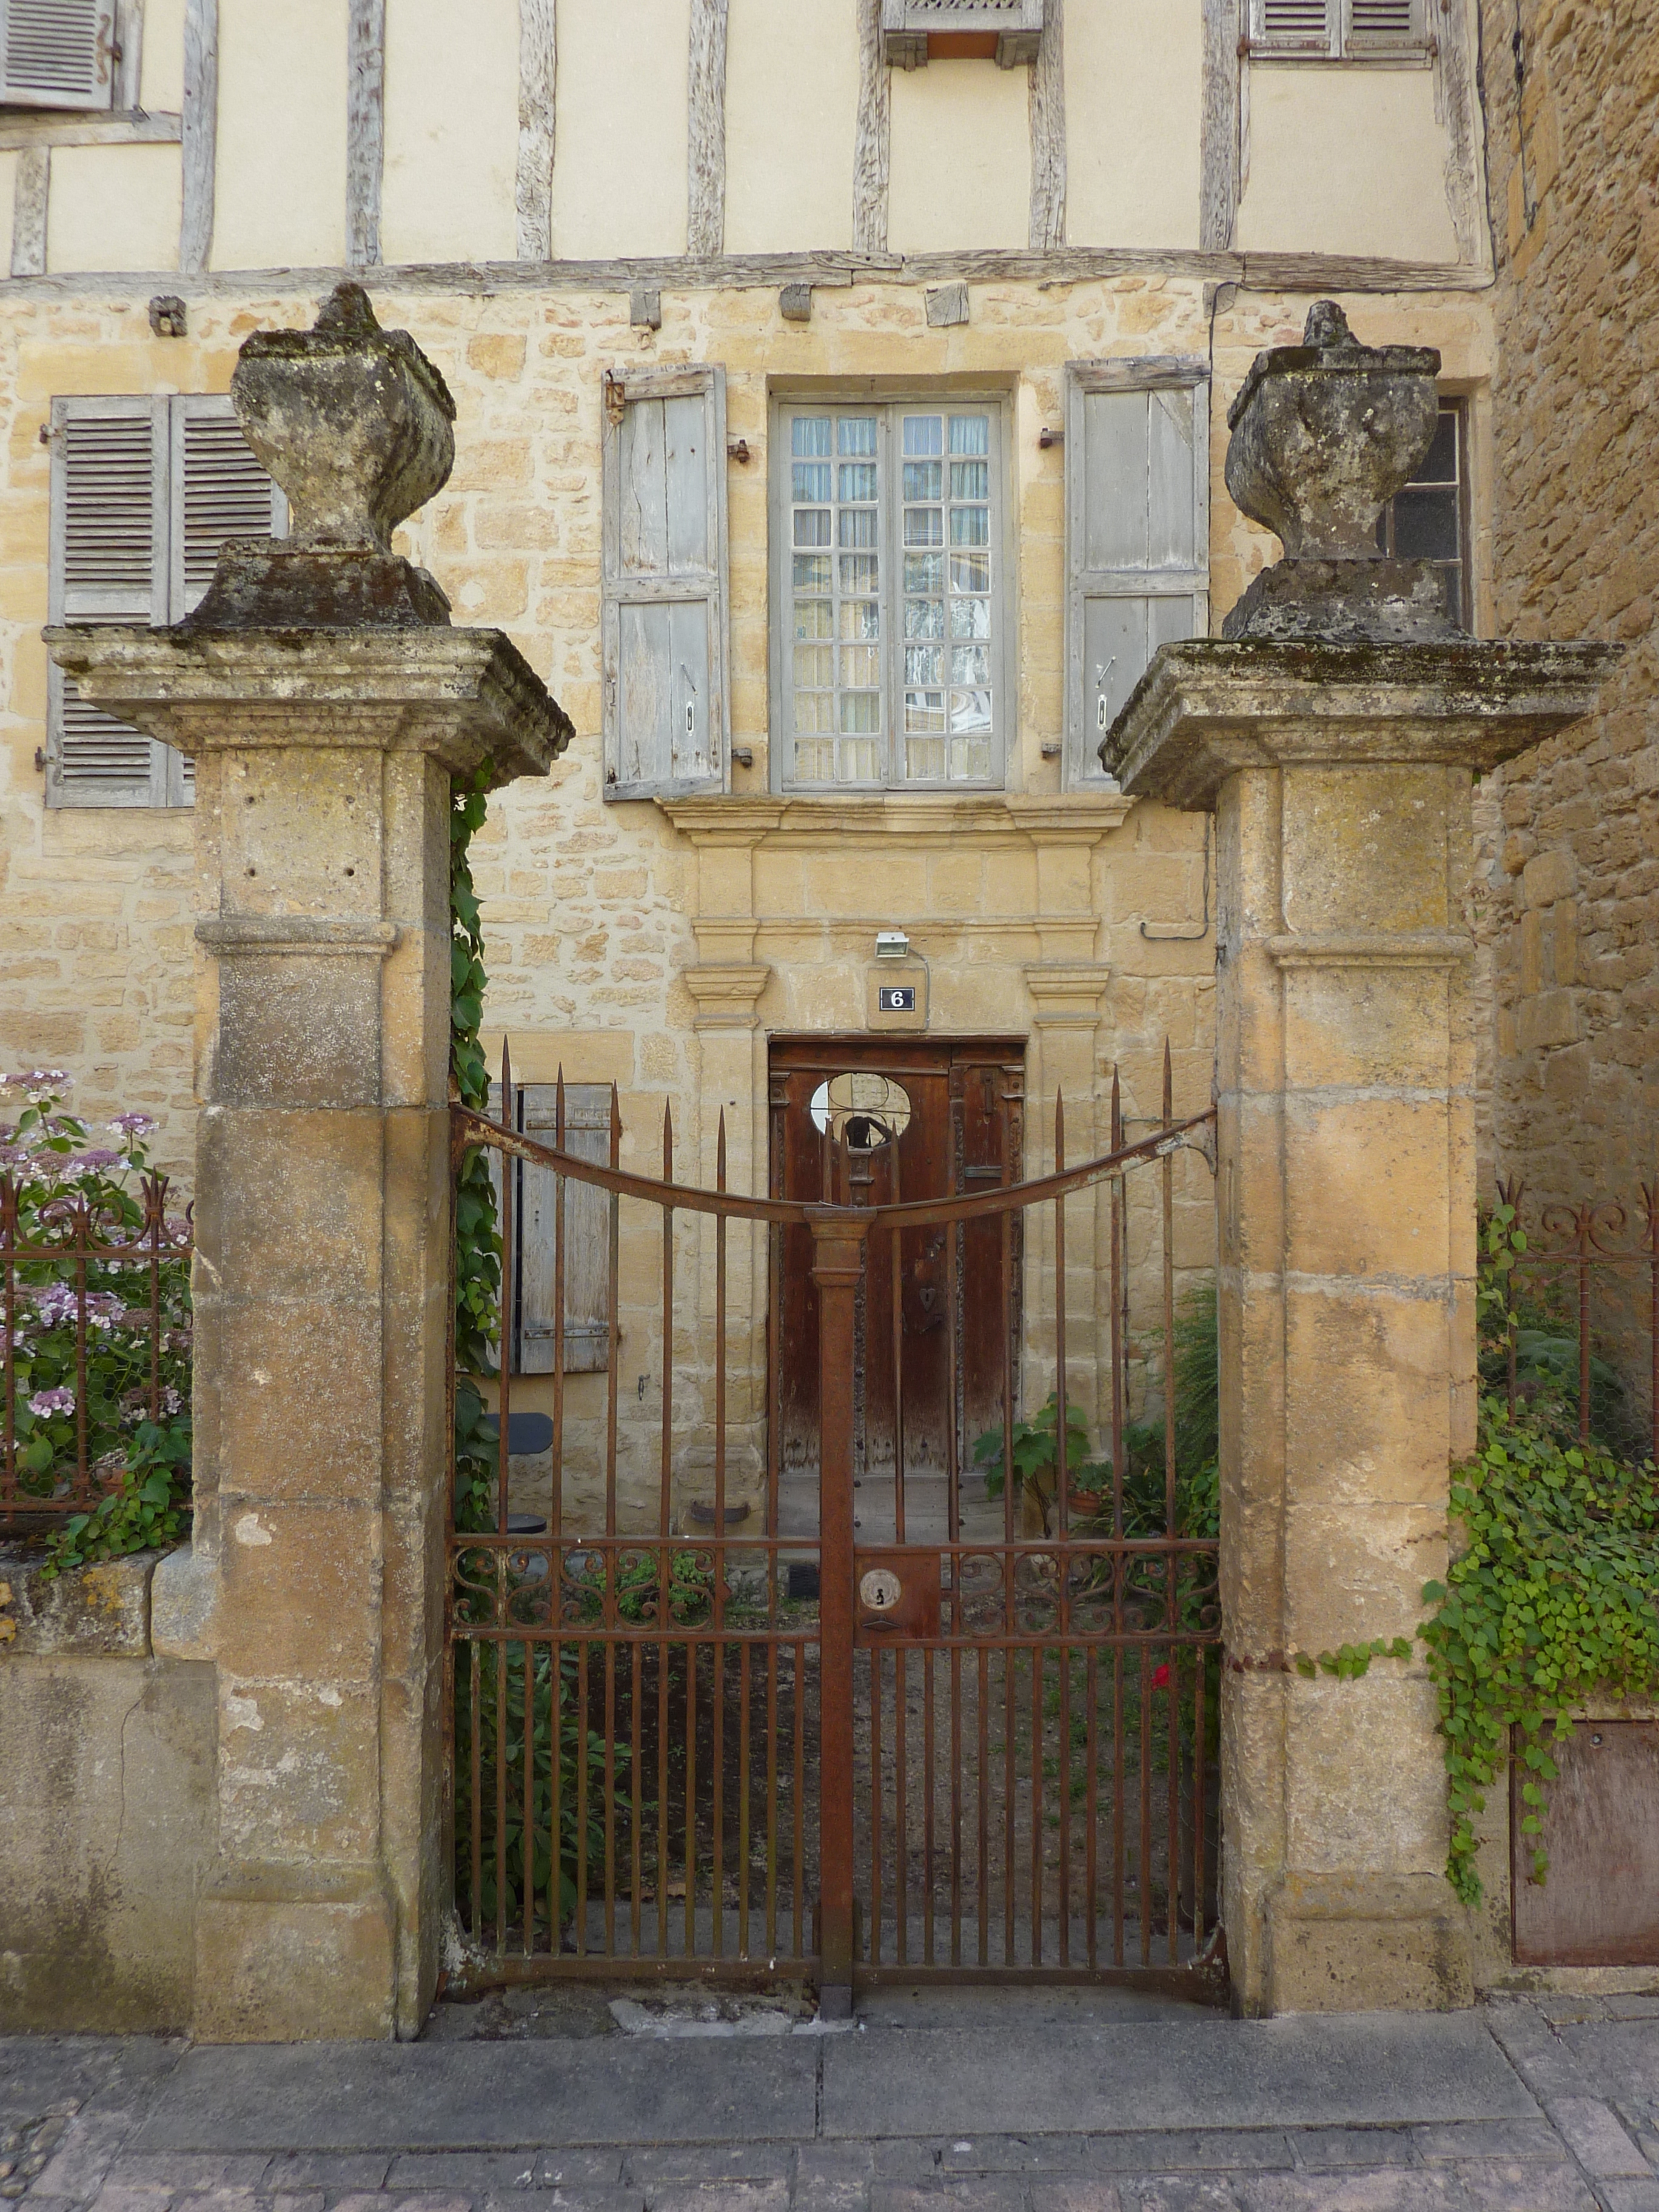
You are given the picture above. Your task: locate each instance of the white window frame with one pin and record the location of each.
(888, 401)
(1081, 758)
(1340, 41)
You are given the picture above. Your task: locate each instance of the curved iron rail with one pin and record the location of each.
(470, 1130)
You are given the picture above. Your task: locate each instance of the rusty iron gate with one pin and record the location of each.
(850, 1722)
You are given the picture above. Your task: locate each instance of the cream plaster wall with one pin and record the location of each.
(1133, 102)
(1345, 160)
(961, 170)
(791, 92)
(7, 195)
(280, 188)
(452, 132)
(113, 207)
(161, 70)
(619, 167)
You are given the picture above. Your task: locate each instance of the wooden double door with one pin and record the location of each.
(874, 1122)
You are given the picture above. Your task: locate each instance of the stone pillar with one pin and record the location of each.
(1339, 764)
(327, 705)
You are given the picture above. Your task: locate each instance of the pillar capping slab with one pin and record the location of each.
(465, 697)
(1066, 995)
(726, 994)
(1208, 708)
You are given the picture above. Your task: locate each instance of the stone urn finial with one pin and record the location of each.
(353, 421)
(1323, 436)
(354, 424)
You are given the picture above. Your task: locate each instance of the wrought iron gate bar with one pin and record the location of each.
(681, 1750)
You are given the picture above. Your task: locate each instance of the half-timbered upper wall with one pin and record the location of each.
(411, 131)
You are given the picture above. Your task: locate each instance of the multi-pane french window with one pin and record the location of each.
(891, 661)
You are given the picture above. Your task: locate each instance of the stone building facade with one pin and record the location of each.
(1575, 904)
(589, 203)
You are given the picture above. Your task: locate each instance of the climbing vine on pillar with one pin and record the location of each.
(477, 1234)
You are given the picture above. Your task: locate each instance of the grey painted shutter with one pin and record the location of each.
(1137, 535)
(587, 1212)
(1294, 26)
(58, 53)
(217, 491)
(1382, 26)
(108, 564)
(667, 716)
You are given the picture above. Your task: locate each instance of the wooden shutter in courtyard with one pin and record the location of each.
(667, 716)
(58, 53)
(1293, 27)
(587, 1235)
(1137, 533)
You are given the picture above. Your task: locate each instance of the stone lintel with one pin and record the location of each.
(465, 696)
(1210, 707)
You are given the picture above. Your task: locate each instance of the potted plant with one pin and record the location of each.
(1034, 1459)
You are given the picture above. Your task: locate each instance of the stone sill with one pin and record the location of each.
(95, 1612)
(884, 819)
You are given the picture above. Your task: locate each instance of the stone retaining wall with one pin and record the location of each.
(106, 1804)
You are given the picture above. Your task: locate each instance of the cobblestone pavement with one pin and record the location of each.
(99, 2125)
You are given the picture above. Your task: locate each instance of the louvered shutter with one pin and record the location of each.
(1294, 26)
(219, 491)
(667, 719)
(58, 53)
(588, 1235)
(109, 491)
(1137, 534)
(1384, 26)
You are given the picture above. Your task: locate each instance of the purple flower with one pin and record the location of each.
(171, 1400)
(133, 1125)
(55, 1305)
(60, 1400)
(95, 1160)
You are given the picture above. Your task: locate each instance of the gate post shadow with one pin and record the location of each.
(838, 1251)
(326, 704)
(1335, 730)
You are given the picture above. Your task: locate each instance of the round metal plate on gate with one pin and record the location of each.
(880, 1590)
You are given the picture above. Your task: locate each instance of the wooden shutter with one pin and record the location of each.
(588, 1235)
(1293, 27)
(58, 53)
(219, 491)
(1137, 533)
(109, 491)
(667, 716)
(1382, 26)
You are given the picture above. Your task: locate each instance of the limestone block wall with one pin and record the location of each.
(107, 1804)
(1576, 553)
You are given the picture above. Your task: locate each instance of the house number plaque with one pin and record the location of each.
(896, 998)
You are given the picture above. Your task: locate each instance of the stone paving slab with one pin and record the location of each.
(393, 2097)
(1515, 2108)
(1339, 2070)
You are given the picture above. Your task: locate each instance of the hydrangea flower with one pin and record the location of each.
(95, 1161)
(132, 1125)
(60, 1401)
